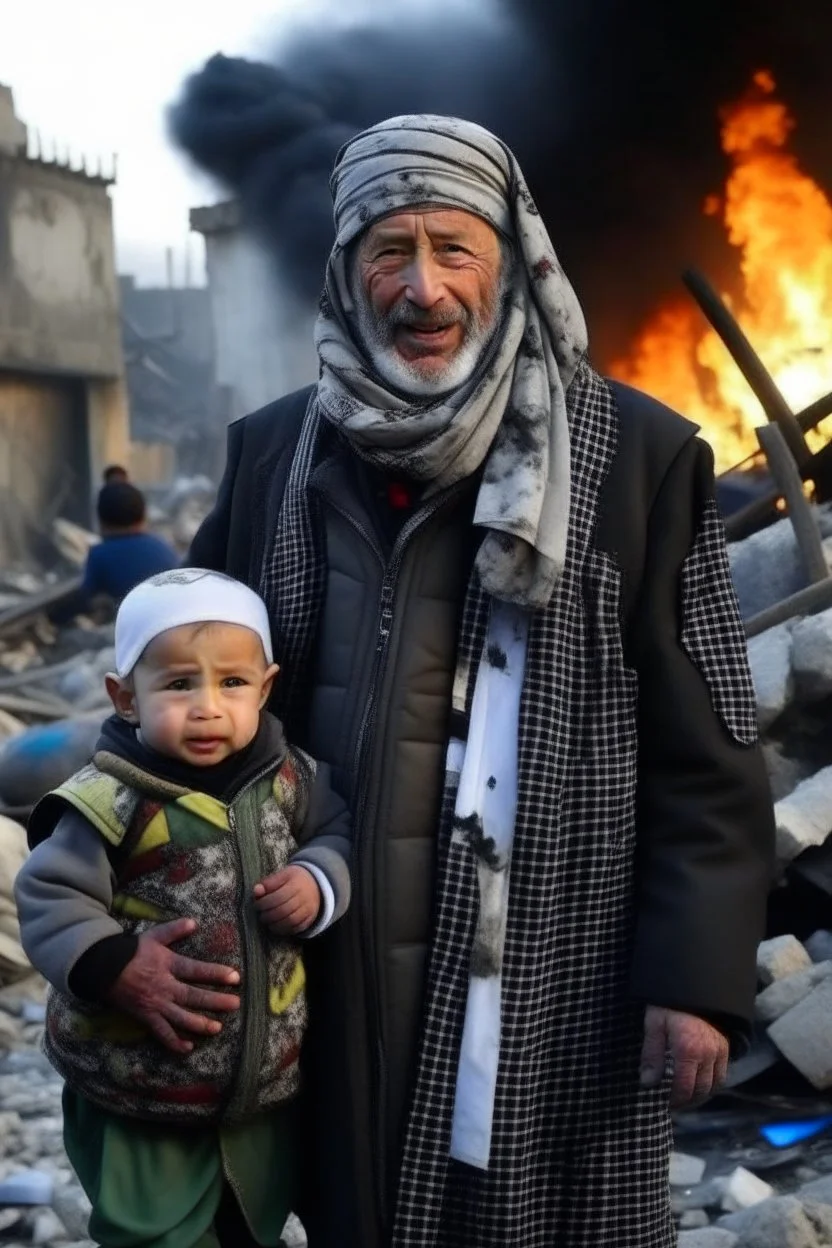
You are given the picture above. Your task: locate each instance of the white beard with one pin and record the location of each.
(406, 376)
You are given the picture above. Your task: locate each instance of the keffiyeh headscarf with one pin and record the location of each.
(510, 415)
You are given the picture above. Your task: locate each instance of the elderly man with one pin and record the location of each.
(502, 605)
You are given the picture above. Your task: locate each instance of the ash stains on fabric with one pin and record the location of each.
(482, 846)
(497, 657)
(543, 269)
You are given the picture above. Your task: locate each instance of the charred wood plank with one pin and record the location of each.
(749, 363)
(807, 601)
(787, 478)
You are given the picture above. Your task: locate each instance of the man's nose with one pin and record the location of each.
(424, 285)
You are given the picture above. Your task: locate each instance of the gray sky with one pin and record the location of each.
(97, 74)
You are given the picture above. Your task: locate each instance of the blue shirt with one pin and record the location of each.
(119, 563)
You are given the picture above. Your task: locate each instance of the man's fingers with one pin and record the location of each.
(721, 1067)
(654, 1049)
(169, 933)
(688, 1077)
(204, 999)
(163, 1032)
(203, 972)
(704, 1085)
(186, 1020)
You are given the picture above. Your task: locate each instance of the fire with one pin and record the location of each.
(781, 223)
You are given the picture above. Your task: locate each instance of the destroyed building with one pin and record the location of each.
(262, 328)
(178, 412)
(63, 412)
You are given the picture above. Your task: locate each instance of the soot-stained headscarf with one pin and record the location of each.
(510, 415)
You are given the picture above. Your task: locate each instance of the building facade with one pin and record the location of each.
(63, 411)
(262, 332)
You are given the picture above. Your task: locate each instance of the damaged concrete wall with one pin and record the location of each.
(43, 458)
(63, 410)
(58, 289)
(263, 333)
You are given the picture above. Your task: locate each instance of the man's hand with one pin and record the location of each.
(288, 901)
(698, 1051)
(154, 987)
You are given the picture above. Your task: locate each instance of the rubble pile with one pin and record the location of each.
(754, 1167)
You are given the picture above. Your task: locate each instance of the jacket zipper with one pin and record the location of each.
(254, 1021)
(366, 861)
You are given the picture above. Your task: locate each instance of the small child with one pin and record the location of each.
(196, 825)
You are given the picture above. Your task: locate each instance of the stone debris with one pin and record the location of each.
(685, 1170)
(710, 1237)
(741, 1189)
(811, 656)
(804, 1035)
(14, 965)
(804, 818)
(781, 957)
(784, 994)
(781, 1222)
(770, 656)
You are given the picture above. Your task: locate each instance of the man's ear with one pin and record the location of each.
(268, 681)
(122, 697)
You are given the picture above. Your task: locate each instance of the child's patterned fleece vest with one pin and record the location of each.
(186, 854)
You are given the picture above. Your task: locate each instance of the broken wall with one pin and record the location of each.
(263, 332)
(58, 290)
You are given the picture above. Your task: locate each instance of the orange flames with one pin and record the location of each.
(781, 223)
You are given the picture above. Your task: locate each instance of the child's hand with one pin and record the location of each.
(288, 901)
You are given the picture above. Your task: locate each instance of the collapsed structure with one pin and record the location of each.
(63, 412)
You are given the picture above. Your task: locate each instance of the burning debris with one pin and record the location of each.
(780, 221)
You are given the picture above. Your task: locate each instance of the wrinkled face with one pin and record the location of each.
(197, 691)
(428, 294)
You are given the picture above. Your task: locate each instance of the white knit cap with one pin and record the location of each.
(185, 596)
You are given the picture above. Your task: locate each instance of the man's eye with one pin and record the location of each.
(179, 685)
(455, 248)
(234, 682)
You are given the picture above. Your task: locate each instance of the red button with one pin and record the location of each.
(398, 495)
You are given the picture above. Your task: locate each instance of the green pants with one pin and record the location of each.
(154, 1186)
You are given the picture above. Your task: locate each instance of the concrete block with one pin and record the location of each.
(785, 773)
(819, 946)
(819, 1190)
(766, 568)
(741, 1189)
(812, 657)
(784, 994)
(804, 1035)
(708, 1237)
(804, 818)
(685, 1170)
(770, 656)
(778, 1223)
(694, 1220)
(779, 958)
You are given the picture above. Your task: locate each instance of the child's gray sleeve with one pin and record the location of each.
(325, 840)
(64, 892)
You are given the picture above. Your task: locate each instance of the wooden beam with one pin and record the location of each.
(749, 363)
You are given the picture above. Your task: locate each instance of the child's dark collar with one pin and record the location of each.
(222, 780)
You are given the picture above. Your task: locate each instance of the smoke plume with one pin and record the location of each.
(611, 108)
